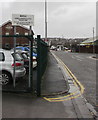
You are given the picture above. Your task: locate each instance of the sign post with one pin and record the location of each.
(14, 77)
(28, 20)
(30, 62)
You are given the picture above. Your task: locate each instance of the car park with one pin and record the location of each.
(7, 66)
(26, 57)
(26, 49)
(34, 49)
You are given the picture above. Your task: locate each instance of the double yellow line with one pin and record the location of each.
(75, 81)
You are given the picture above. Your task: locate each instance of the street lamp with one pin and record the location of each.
(46, 21)
(93, 42)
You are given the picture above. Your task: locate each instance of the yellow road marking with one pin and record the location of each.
(73, 97)
(62, 96)
(77, 83)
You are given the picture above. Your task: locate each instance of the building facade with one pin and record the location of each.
(89, 46)
(8, 42)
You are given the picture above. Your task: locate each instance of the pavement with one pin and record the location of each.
(53, 81)
(61, 98)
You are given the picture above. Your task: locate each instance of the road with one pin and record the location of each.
(84, 68)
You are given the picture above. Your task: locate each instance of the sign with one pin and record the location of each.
(21, 19)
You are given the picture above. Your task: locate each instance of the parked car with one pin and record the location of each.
(26, 49)
(25, 55)
(34, 49)
(7, 66)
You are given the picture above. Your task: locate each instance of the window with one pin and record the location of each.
(2, 58)
(17, 33)
(18, 48)
(26, 49)
(26, 33)
(18, 57)
(6, 33)
(24, 56)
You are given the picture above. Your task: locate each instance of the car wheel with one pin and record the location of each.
(5, 78)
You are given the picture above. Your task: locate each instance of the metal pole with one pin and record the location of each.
(93, 42)
(38, 66)
(14, 77)
(79, 47)
(45, 20)
(30, 62)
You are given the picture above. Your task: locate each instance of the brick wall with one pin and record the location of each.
(8, 29)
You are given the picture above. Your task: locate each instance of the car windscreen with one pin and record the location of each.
(28, 54)
(18, 48)
(26, 49)
(17, 57)
(34, 50)
(24, 56)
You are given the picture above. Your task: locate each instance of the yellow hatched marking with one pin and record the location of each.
(73, 97)
(62, 97)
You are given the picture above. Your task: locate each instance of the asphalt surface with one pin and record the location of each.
(19, 106)
(21, 84)
(84, 68)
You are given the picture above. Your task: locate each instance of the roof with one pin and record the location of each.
(9, 21)
(89, 41)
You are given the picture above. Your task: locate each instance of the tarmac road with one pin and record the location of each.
(84, 68)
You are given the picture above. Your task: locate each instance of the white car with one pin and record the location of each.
(7, 66)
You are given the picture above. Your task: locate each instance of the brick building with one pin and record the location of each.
(7, 29)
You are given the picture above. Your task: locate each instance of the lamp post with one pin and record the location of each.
(93, 42)
(46, 21)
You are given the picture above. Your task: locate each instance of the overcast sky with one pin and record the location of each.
(69, 19)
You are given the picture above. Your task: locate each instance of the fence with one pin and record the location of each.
(26, 86)
(42, 53)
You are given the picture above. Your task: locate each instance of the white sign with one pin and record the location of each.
(21, 19)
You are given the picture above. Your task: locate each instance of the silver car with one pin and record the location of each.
(25, 55)
(7, 66)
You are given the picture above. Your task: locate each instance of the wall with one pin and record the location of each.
(8, 28)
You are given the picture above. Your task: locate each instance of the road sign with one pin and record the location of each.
(22, 19)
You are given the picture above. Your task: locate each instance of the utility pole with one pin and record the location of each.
(46, 21)
(93, 42)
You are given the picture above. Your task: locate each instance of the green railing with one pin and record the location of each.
(42, 53)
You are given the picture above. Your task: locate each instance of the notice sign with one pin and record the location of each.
(21, 19)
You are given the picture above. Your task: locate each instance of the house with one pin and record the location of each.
(8, 29)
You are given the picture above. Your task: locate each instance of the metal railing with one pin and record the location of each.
(42, 58)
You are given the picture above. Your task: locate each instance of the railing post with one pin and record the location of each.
(41, 62)
(38, 66)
